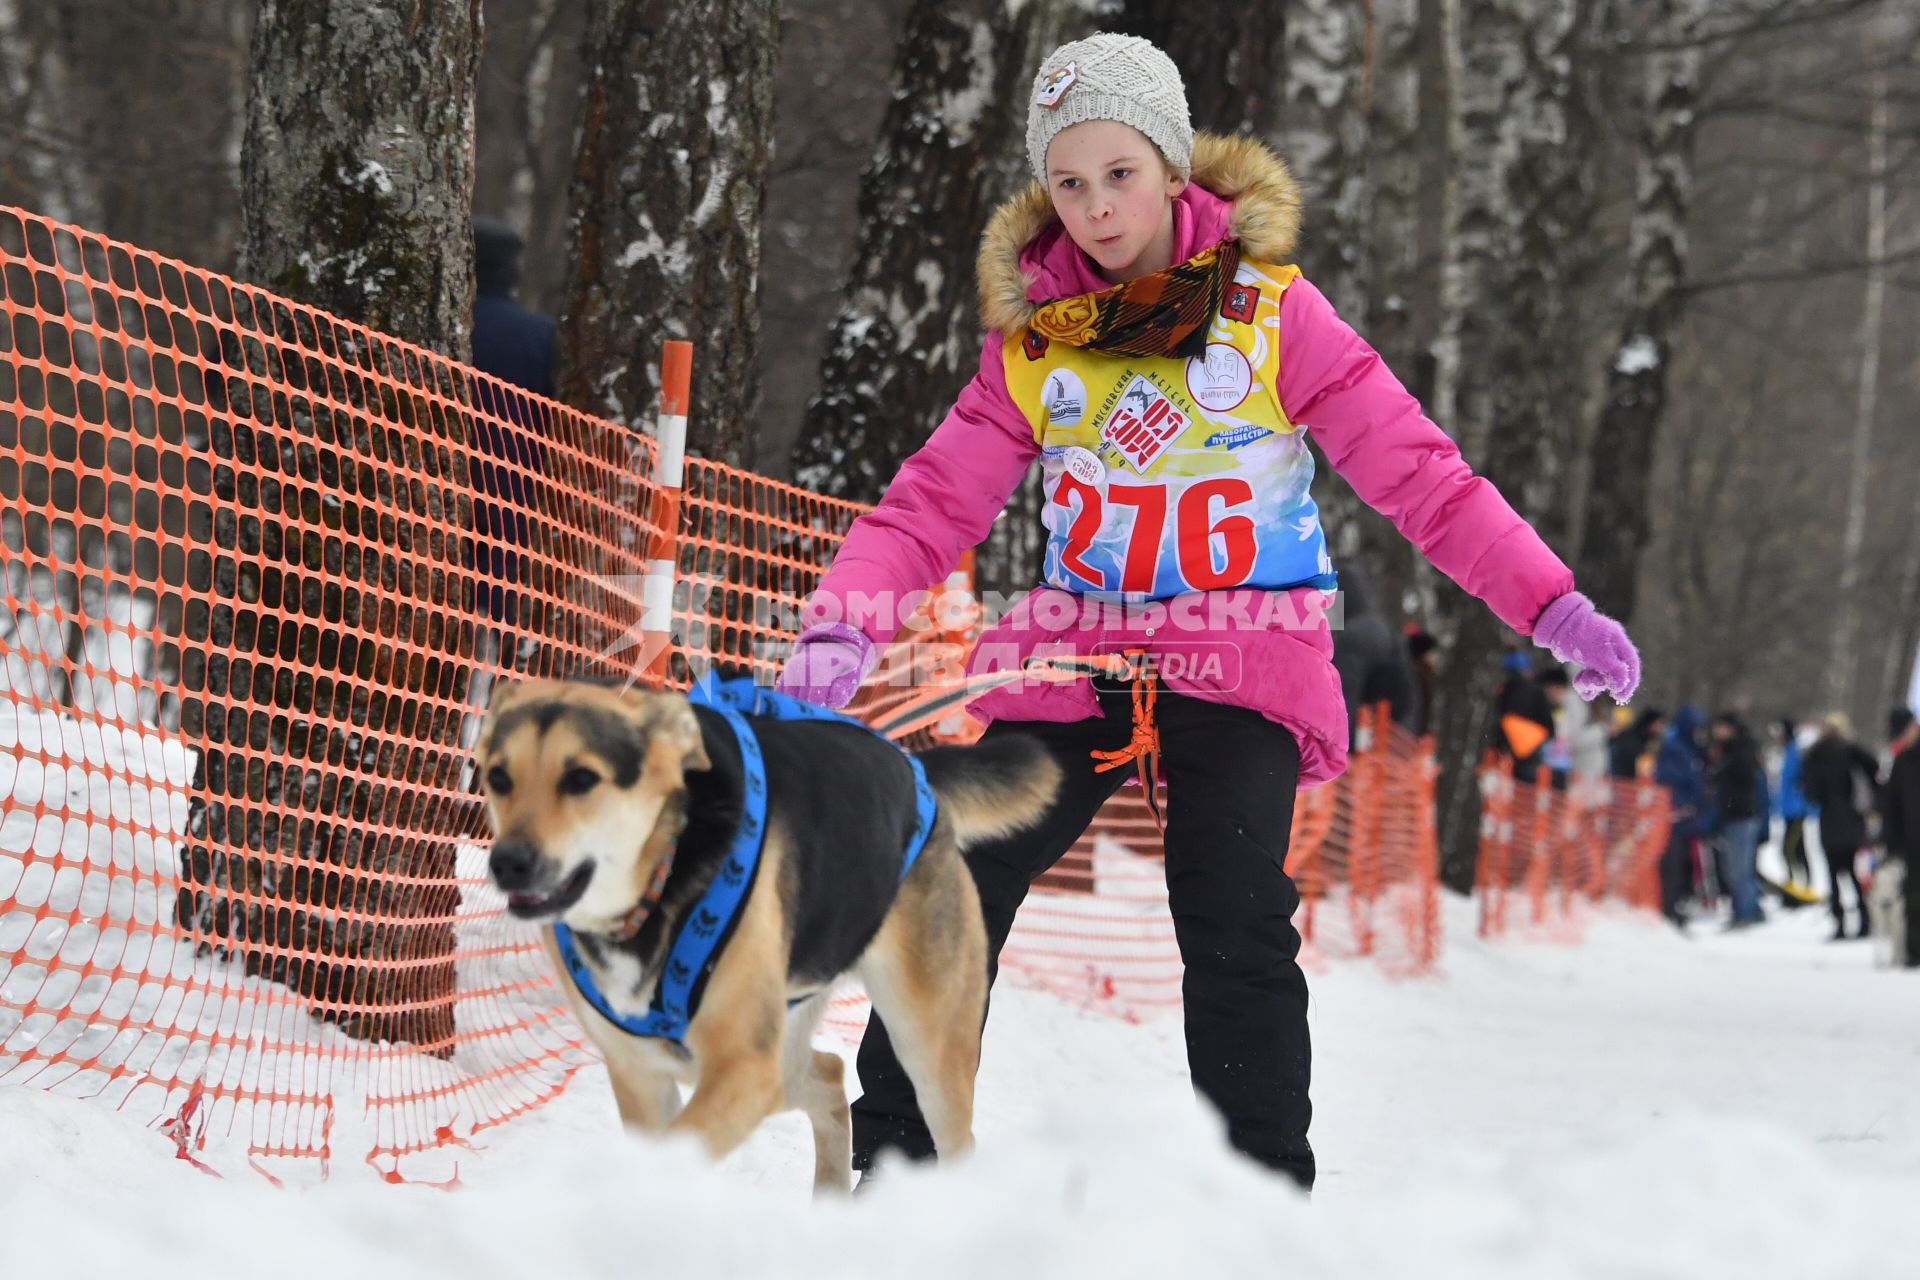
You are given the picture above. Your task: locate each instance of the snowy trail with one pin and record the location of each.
(1637, 1104)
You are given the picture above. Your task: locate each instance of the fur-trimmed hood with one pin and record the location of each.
(1021, 253)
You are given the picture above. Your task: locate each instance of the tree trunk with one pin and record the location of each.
(1520, 208)
(527, 118)
(1232, 58)
(357, 169)
(145, 154)
(1841, 683)
(1620, 490)
(1323, 135)
(325, 651)
(669, 188)
(907, 336)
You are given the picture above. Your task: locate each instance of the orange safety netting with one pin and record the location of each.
(1545, 851)
(261, 567)
(1362, 853)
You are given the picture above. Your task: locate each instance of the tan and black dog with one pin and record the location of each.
(614, 809)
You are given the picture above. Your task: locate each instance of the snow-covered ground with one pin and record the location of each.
(1636, 1105)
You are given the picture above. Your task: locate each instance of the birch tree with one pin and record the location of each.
(322, 661)
(1619, 492)
(1520, 206)
(669, 189)
(1841, 669)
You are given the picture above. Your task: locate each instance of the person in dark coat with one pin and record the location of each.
(1900, 825)
(514, 345)
(1790, 805)
(1369, 656)
(1635, 742)
(1680, 768)
(1523, 702)
(1736, 784)
(1842, 781)
(1422, 652)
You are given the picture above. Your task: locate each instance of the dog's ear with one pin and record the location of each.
(667, 717)
(682, 728)
(502, 693)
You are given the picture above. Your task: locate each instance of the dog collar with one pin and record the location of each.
(650, 901)
(702, 933)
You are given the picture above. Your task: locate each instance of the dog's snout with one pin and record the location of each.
(514, 864)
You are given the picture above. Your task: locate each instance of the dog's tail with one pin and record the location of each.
(995, 789)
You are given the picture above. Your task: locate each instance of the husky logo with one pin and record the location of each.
(704, 923)
(678, 971)
(731, 871)
(1143, 425)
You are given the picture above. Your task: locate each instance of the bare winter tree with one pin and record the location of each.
(1842, 668)
(907, 336)
(325, 678)
(1351, 132)
(526, 115)
(1520, 211)
(357, 190)
(669, 189)
(1619, 492)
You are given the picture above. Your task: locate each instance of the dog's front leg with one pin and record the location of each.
(738, 1083)
(730, 1101)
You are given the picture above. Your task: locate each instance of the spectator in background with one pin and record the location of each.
(1790, 806)
(1368, 655)
(1903, 730)
(510, 342)
(516, 346)
(1557, 755)
(1422, 652)
(1900, 823)
(1630, 754)
(1842, 781)
(1524, 713)
(1680, 769)
(1735, 781)
(1586, 732)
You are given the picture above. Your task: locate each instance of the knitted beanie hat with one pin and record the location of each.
(1110, 77)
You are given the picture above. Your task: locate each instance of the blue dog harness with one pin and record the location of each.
(701, 933)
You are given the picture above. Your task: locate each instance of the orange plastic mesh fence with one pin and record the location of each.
(261, 568)
(1544, 853)
(1362, 853)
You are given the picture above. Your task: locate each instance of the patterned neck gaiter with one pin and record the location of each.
(1163, 314)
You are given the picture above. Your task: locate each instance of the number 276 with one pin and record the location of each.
(1194, 525)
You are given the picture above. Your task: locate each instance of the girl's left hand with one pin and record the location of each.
(1576, 632)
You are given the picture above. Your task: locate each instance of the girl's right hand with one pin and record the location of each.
(827, 665)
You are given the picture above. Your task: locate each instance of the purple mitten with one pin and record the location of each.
(1574, 632)
(827, 665)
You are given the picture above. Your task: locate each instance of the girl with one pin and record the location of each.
(1150, 348)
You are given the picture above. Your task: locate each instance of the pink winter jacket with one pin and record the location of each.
(1331, 382)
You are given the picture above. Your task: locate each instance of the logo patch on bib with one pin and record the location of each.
(1220, 379)
(1143, 425)
(1238, 436)
(1064, 397)
(1240, 302)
